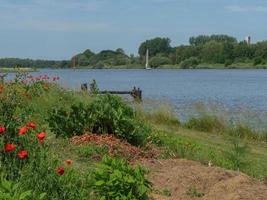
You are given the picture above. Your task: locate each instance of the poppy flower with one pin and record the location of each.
(2, 129)
(60, 170)
(23, 154)
(32, 125)
(23, 130)
(68, 162)
(41, 136)
(1, 88)
(10, 147)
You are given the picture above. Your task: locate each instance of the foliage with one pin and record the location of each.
(236, 155)
(203, 39)
(159, 61)
(115, 179)
(103, 58)
(11, 191)
(205, 123)
(105, 114)
(156, 46)
(189, 63)
(10, 62)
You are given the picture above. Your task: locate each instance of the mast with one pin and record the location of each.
(147, 58)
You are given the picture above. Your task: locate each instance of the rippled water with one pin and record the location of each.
(235, 90)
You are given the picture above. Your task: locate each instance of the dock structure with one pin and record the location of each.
(136, 93)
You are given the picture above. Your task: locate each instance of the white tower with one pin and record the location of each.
(248, 40)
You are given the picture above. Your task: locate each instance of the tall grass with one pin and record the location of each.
(163, 114)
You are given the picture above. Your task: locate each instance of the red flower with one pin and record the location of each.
(23, 154)
(10, 147)
(2, 129)
(1, 88)
(41, 136)
(60, 170)
(23, 130)
(32, 125)
(68, 162)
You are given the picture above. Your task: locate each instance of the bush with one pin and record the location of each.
(189, 63)
(257, 61)
(205, 123)
(115, 179)
(105, 114)
(159, 61)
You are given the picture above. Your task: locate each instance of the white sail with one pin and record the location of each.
(147, 59)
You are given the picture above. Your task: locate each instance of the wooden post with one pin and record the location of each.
(137, 94)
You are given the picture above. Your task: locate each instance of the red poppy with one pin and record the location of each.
(1, 88)
(10, 147)
(23, 154)
(23, 130)
(60, 170)
(68, 162)
(41, 136)
(2, 129)
(32, 125)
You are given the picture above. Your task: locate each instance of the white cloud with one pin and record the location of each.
(236, 8)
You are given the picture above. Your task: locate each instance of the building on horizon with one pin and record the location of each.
(248, 40)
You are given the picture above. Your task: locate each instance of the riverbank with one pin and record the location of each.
(72, 144)
(199, 66)
(16, 70)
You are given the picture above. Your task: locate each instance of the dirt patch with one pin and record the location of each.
(177, 179)
(117, 147)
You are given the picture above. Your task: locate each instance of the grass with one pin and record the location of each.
(16, 70)
(203, 139)
(206, 139)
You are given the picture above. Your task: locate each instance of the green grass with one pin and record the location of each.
(16, 70)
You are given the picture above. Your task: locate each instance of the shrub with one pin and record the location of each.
(257, 61)
(109, 114)
(159, 61)
(189, 63)
(205, 123)
(115, 179)
(105, 114)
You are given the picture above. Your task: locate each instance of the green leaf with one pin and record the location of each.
(24, 195)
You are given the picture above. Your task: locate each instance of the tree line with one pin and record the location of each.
(202, 49)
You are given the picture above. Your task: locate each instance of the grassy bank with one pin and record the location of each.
(52, 158)
(16, 70)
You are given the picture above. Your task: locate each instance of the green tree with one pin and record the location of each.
(155, 46)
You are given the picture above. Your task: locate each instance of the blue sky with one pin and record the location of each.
(58, 29)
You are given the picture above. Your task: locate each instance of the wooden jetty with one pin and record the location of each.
(136, 93)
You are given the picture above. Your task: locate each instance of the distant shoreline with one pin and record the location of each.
(15, 70)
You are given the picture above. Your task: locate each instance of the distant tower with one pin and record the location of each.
(248, 40)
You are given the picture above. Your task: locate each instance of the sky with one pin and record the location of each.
(59, 29)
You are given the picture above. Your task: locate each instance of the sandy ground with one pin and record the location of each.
(176, 179)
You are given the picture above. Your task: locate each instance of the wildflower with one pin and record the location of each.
(68, 162)
(23, 130)
(1, 88)
(10, 147)
(41, 136)
(2, 129)
(60, 170)
(23, 154)
(32, 125)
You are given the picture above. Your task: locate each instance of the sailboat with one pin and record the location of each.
(147, 59)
